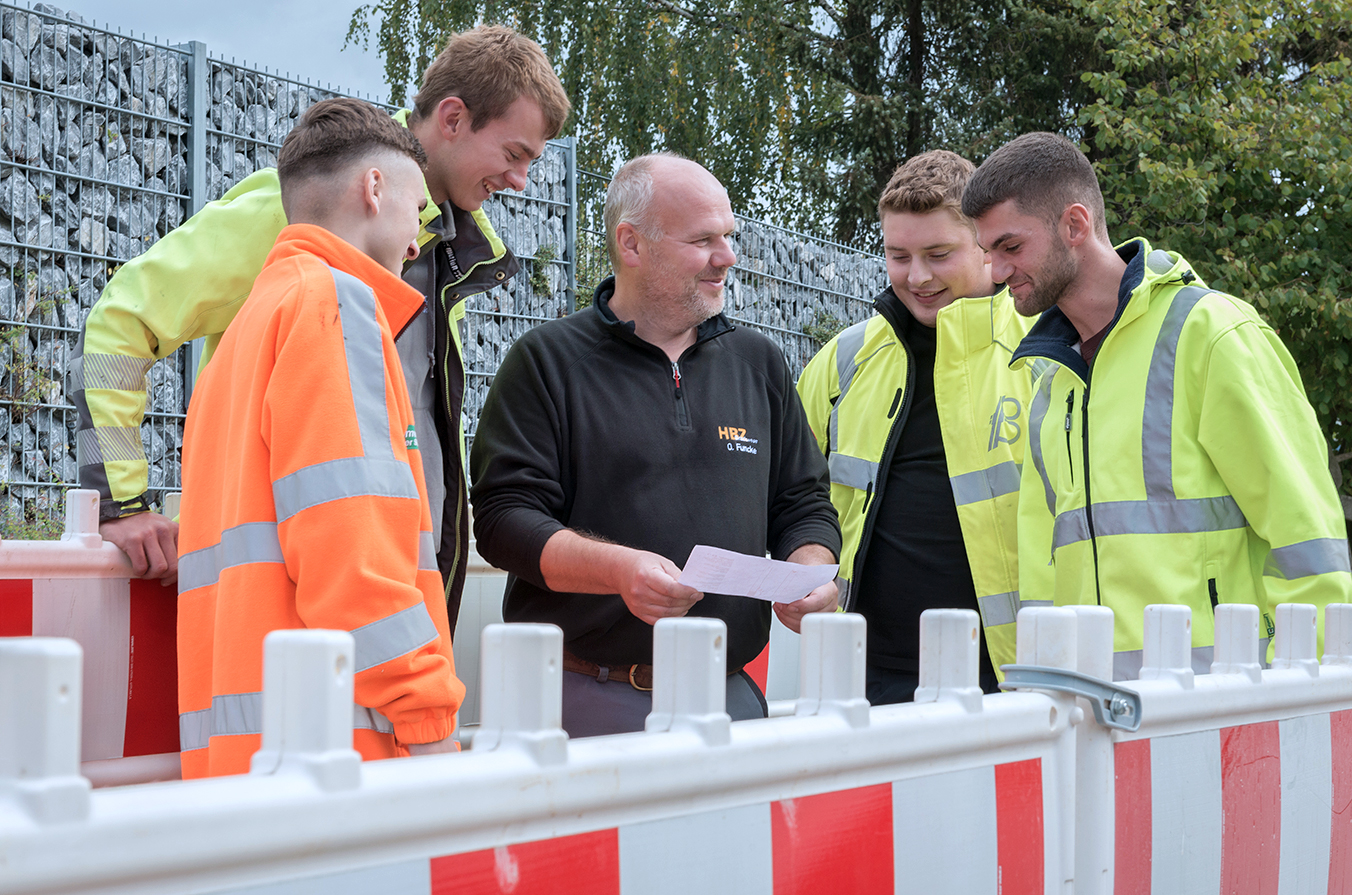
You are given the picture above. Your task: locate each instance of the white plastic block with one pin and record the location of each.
(832, 667)
(1094, 646)
(82, 518)
(522, 686)
(950, 653)
(1237, 641)
(690, 679)
(307, 708)
(1297, 643)
(1048, 636)
(1167, 648)
(40, 728)
(1338, 634)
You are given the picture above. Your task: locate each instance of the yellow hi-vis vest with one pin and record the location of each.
(855, 395)
(1187, 469)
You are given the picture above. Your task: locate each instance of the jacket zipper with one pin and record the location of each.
(682, 418)
(1088, 502)
(452, 420)
(870, 504)
(1070, 410)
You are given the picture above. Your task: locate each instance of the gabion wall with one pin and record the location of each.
(96, 164)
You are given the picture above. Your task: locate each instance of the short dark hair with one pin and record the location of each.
(489, 68)
(1043, 173)
(334, 133)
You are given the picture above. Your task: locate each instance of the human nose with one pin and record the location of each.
(517, 175)
(918, 272)
(724, 256)
(1001, 270)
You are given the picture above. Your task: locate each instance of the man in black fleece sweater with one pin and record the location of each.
(616, 439)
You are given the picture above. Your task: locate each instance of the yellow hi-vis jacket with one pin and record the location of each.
(855, 393)
(1187, 469)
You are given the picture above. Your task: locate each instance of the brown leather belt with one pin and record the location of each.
(640, 677)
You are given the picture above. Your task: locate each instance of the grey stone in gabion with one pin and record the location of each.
(152, 442)
(38, 234)
(71, 314)
(22, 437)
(6, 299)
(19, 137)
(167, 395)
(13, 62)
(65, 213)
(258, 120)
(93, 237)
(152, 153)
(20, 27)
(122, 248)
(19, 199)
(264, 158)
(150, 74)
(125, 171)
(33, 468)
(171, 216)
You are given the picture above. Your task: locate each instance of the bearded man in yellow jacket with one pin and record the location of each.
(304, 502)
(1174, 456)
(922, 423)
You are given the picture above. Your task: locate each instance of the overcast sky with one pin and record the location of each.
(304, 37)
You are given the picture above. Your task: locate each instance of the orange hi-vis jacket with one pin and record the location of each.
(304, 506)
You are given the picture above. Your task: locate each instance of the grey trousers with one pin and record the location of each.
(593, 709)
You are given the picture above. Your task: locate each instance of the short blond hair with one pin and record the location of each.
(489, 68)
(929, 181)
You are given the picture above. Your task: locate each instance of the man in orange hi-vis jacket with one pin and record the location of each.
(304, 504)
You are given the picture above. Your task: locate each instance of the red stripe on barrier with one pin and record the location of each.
(16, 607)
(152, 670)
(1251, 804)
(1131, 864)
(1018, 827)
(759, 668)
(585, 864)
(1340, 850)
(834, 842)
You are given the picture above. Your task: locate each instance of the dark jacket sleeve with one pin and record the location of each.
(800, 510)
(515, 464)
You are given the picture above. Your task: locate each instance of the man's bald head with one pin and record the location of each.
(642, 187)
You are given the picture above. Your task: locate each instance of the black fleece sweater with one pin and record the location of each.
(587, 427)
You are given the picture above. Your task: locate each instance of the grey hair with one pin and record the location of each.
(629, 200)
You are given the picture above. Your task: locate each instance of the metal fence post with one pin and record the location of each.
(199, 114)
(570, 222)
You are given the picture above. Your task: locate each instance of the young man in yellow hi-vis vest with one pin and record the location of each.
(488, 104)
(304, 502)
(923, 426)
(1173, 455)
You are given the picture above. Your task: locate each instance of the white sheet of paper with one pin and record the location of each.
(713, 570)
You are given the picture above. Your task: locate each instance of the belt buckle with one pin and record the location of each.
(633, 683)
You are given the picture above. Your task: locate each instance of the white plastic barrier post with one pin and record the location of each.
(522, 705)
(1237, 780)
(40, 731)
(690, 658)
(936, 797)
(307, 708)
(79, 587)
(950, 657)
(1093, 758)
(832, 667)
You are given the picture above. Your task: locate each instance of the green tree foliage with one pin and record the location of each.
(803, 109)
(1220, 130)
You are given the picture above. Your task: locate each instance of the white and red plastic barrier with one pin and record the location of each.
(81, 587)
(955, 793)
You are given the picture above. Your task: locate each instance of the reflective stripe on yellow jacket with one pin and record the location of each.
(304, 506)
(1187, 469)
(854, 392)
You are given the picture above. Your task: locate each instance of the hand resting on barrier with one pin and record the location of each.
(645, 581)
(150, 542)
(823, 599)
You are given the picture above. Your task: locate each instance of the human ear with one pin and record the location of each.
(1077, 224)
(372, 190)
(453, 117)
(627, 240)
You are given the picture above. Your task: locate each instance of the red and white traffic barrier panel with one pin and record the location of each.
(81, 587)
(955, 793)
(1235, 782)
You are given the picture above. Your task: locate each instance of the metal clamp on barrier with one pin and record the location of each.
(1113, 706)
